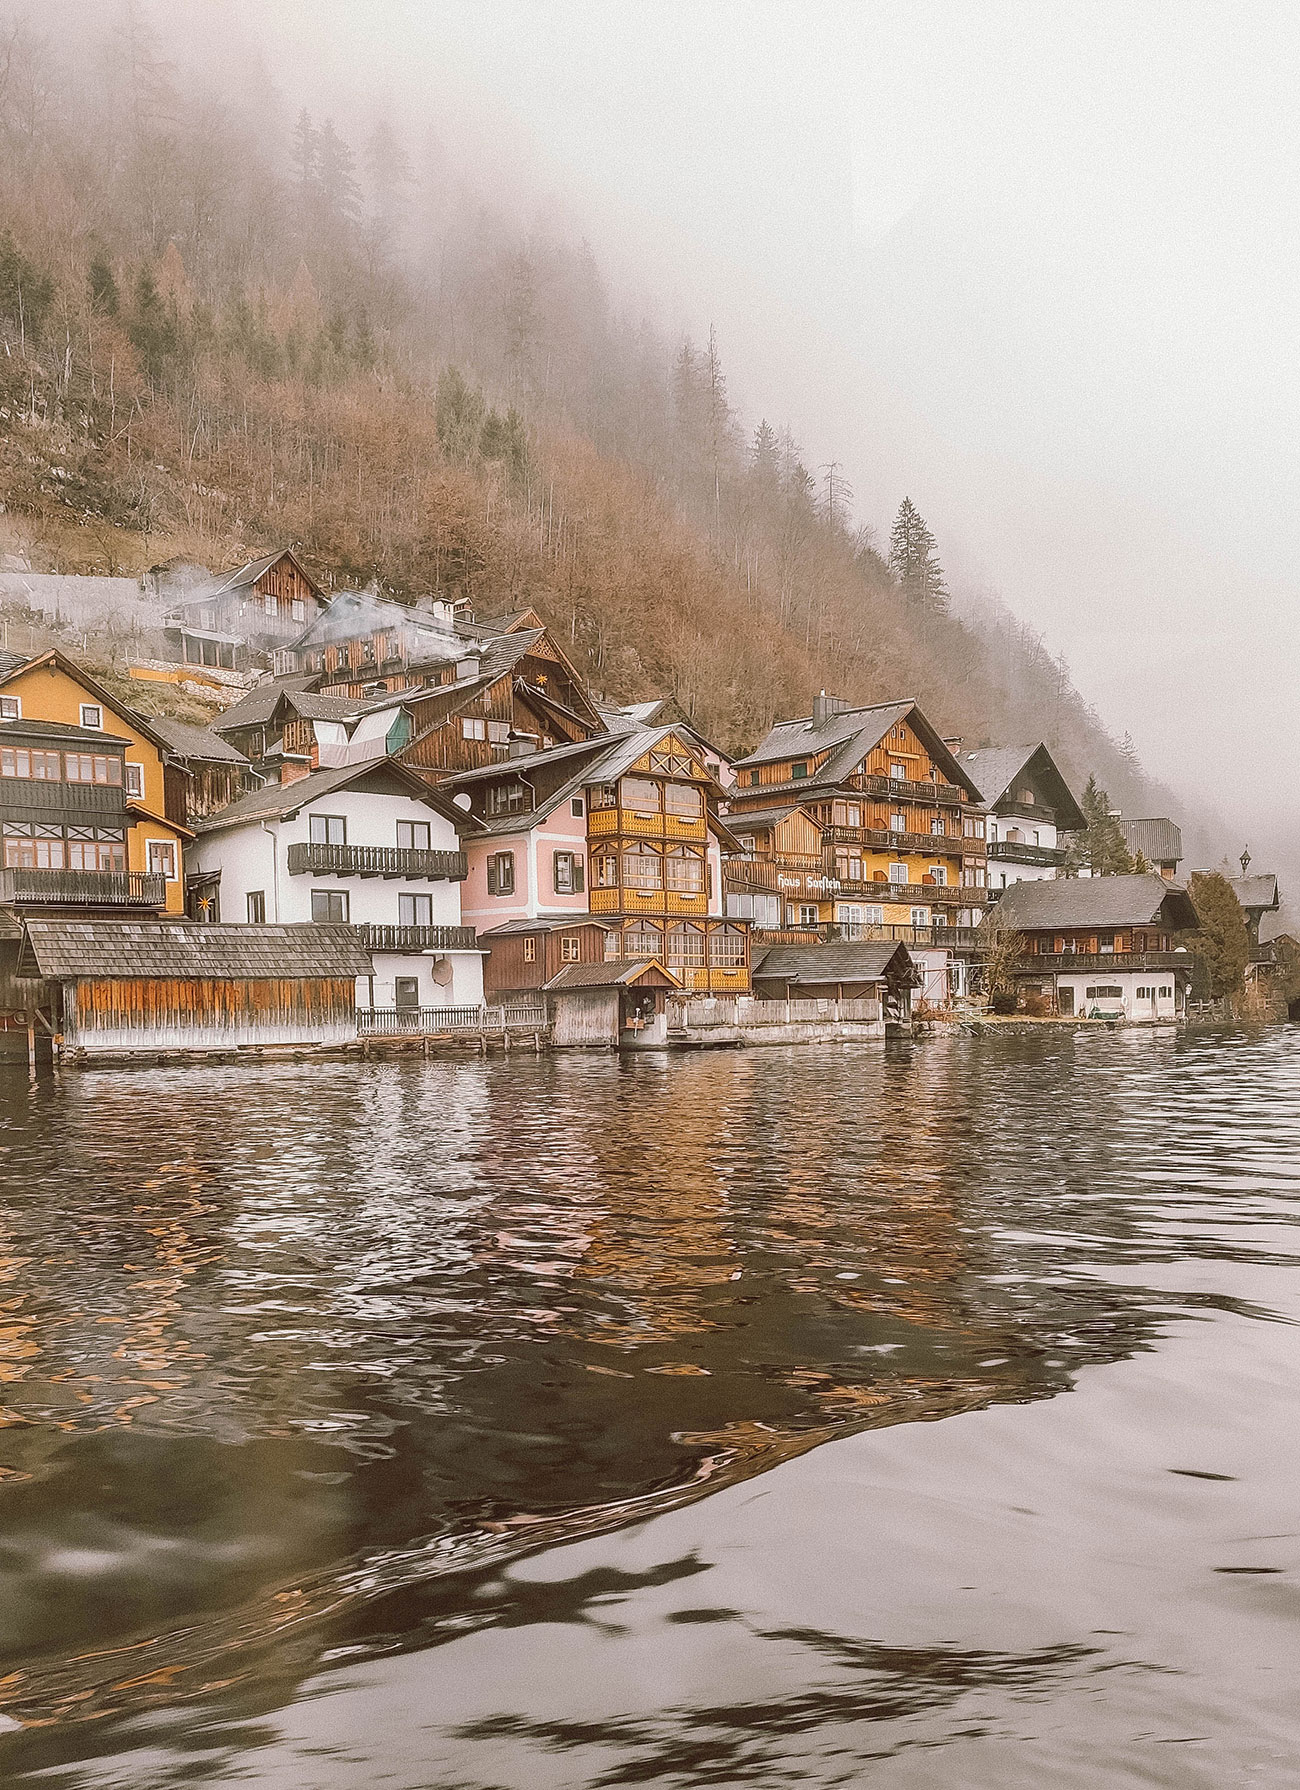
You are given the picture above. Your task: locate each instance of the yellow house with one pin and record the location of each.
(52, 687)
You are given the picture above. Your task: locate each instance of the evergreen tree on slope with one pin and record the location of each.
(914, 560)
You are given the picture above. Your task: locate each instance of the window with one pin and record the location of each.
(799, 769)
(92, 767)
(530, 950)
(472, 729)
(327, 829)
(415, 910)
(576, 807)
(501, 873)
(973, 827)
(568, 874)
(642, 941)
(642, 868)
(605, 871)
(848, 867)
(873, 916)
(87, 854)
(686, 946)
(255, 906)
(1105, 943)
(11, 708)
(603, 795)
(898, 823)
(569, 948)
(807, 915)
(162, 858)
(269, 604)
(499, 733)
(920, 916)
(406, 991)
(1038, 837)
(28, 853)
(641, 795)
(683, 799)
(298, 610)
(507, 798)
(974, 879)
(18, 761)
(685, 871)
(413, 835)
(898, 873)
(1166, 994)
(134, 780)
(898, 772)
(329, 907)
(940, 875)
(727, 948)
(92, 715)
(937, 826)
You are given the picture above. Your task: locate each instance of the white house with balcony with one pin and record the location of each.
(1031, 807)
(367, 845)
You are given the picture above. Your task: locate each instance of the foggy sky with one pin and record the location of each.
(1033, 264)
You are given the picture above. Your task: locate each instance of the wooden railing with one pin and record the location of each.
(956, 938)
(83, 888)
(418, 938)
(377, 860)
(427, 1022)
(1018, 852)
(710, 1014)
(1064, 962)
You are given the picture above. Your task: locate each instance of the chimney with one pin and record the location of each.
(954, 744)
(824, 707)
(523, 745)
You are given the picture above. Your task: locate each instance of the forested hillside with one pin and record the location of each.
(219, 334)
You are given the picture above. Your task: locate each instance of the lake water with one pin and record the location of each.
(921, 1415)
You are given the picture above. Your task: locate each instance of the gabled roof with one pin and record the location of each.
(184, 948)
(187, 741)
(257, 705)
(848, 736)
(522, 928)
(995, 770)
(758, 820)
(871, 961)
(261, 703)
(612, 975)
(249, 573)
(1161, 840)
(1096, 901)
(281, 801)
(60, 731)
(1256, 892)
(90, 685)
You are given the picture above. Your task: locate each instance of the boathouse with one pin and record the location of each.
(114, 987)
(617, 1005)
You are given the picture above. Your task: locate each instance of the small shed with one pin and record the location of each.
(114, 987)
(872, 970)
(617, 1006)
(525, 954)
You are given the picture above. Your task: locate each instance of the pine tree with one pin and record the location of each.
(837, 496)
(102, 287)
(914, 560)
(1222, 943)
(1101, 848)
(340, 196)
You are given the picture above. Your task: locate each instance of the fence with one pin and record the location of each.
(702, 1015)
(425, 1022)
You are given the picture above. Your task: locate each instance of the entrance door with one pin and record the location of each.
(1065, 1002)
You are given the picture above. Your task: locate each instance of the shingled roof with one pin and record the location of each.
(1258, 892)
(995, 770)
(1096, 901)
(281, 801)
(870, 961)
(188, 741)
(847, 735)
(1160, 840)
(69, 950)
(611, 975)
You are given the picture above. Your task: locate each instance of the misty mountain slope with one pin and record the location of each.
(216, 337)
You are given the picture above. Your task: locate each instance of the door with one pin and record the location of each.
(1065, 1002)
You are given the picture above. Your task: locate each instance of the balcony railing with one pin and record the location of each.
(1065, 962)
(83, 888)
(886, 839)
(917, 792)
(418, 938)
(957, 938)
(1016, 852)
(377, 860)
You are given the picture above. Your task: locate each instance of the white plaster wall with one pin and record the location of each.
(1129, 981)
(1003, 873)
(453, 980)
(999, 825)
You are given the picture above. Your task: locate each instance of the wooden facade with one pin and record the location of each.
(124, 1014)
(525, 956)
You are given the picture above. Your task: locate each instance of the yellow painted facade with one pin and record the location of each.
(49, 690)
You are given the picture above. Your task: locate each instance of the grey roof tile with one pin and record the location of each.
(71, 949)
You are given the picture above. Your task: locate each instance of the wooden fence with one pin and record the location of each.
(703, 1015)
(425, 1022)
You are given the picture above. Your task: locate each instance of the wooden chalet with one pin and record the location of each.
(614, 1006)
(1102, 945)
(525, 954)
(237, 619)
(116, 988)
(625, 829)
(204, 771)
(869, 970)
(1030, 810)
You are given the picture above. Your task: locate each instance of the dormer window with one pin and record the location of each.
(507, 798)
(799, 768)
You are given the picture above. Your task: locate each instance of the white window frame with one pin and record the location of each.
(97, 710)
(904, 879)
(258, 896)
(920, 916)
(167, 849)
(136, 795)
(11, 708)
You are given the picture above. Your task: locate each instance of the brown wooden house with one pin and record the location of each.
(526, 954)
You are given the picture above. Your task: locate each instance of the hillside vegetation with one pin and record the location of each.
(218, 335)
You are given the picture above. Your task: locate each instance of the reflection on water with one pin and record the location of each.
(302, 1365)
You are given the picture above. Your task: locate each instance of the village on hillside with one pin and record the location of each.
(401, 824)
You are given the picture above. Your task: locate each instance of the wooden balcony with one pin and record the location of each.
(418, 938)
(604, 822)
(1093, 962)
(82, 888)
(915, 792)
(954, 938)
(1014, 851)
(388, 861)
(943, 844)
